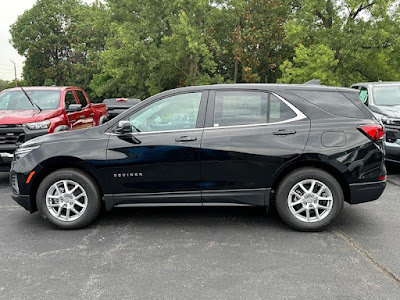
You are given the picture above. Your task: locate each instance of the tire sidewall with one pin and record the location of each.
(295, 177)
(93, 195)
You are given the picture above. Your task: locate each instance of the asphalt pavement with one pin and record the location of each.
(202, 253)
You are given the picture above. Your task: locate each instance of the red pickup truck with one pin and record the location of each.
(29, 112)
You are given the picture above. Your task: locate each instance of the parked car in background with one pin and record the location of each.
(305, 148)
(383, 99)
(29, 112)
(115, 106)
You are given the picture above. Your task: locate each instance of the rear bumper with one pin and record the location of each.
(365, 192)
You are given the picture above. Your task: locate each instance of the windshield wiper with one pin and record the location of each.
(30, 100)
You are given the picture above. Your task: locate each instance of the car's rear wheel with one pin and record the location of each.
(308, 199)
(68, 199)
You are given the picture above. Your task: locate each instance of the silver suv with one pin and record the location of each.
(383, 99)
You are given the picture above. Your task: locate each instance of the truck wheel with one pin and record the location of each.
(68, 199)
(308, 199)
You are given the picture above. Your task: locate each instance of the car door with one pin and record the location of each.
(159, 160)
(87, 110)
(75, 117)
(248, 135)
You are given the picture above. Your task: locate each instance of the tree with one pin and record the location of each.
(61, 40)
(259, 39)
(353, 39)
(157, 45)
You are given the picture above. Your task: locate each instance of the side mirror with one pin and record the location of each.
(74, 107)
(123, 127)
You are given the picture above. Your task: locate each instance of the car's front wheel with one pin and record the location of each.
(308, 199)
(68, 199)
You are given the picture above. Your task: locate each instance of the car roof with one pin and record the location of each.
(378, 83)
(43, 88)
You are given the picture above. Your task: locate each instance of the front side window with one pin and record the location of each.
(173, 113)
(69, 99)
(387, 95)
(363, 95)
(246, 107)
(82, 98)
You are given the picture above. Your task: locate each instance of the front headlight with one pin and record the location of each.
(38, 125)
(21, 152)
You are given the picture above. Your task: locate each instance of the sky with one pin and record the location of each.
(9, 12)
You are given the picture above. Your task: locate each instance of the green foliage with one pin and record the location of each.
(136, 48)
(313, 62)
(356, 41)
(259, 39)
(5, 84)
(61, 40)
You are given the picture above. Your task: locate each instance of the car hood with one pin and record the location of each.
(55, 137)
(24, 116)
(391, 111)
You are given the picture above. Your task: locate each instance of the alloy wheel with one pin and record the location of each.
(66, 200)
(310, 200)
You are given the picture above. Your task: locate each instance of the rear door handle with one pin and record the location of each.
(185, 139)
(81, 117)
(284, 132)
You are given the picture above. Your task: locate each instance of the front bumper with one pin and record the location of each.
(20, 191)
(11, 136)
(5, 161)
(24, 201)
(392, 151)
(392, 143)
(365, 192)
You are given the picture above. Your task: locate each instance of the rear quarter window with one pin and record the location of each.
(333, 102)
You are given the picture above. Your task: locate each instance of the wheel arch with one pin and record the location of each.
(55, 163)
(283, 172)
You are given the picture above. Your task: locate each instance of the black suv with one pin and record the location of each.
(306, 149)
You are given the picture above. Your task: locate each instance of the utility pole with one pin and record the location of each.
(15, 73)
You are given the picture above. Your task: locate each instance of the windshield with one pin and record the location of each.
(17, 100)
(387, 95)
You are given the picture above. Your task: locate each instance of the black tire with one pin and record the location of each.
(302, 176)
(92, 199)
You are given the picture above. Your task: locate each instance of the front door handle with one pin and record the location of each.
(284, 132)
(185, 139)
(81, 116)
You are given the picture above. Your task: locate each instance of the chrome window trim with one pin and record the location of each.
(161, 131)
(299, 116)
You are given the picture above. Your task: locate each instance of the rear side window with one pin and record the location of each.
(246, 107)
(333, 102)
(279, 111)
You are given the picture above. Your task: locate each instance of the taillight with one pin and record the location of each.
(122, 100)
(374, 132)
